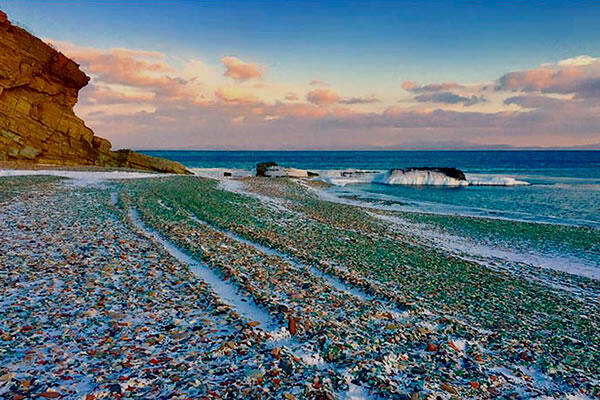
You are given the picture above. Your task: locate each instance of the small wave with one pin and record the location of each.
(419, 178)
(494, 180)
(411, 177)
(219, 173)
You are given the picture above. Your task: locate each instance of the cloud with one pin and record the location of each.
(109, 95)
(546, 79)
(408, 85)
(359, 100)
(535, 101)
(291, 96)
(449, 98)
(122, 66)
(432, 87)
(578, 75)
(578, 61)
(316, 82)
(236, 95)
(144, 97)
(323, 96)
(240, 70)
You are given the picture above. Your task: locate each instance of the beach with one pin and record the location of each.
(160, 286)
(299, 200)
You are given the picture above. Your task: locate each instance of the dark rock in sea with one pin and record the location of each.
(450, 172)
(261, 168)
(350, 173)
(271, 169)
(226, 173)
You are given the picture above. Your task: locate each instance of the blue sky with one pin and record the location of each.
(360, 48)
(469, 41)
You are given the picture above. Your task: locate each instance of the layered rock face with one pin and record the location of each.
(38, 90)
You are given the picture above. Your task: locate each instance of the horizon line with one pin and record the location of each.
(382, 150)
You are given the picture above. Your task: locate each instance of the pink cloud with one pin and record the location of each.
(323, 96)
(236, 96)
(105, 95)
(161, 108)
(122, 66)
(541, 79)
(359, 100)
(298, 110)
(408, 85)
(578, 75)
(291, 96)
(240, 70)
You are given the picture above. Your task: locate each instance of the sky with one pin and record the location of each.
(330, 75)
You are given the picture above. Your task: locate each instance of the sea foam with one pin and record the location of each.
(414, 177)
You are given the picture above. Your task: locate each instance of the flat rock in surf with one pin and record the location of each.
(454, 173)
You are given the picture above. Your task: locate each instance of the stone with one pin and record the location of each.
(39, 87)
(271, 169)
(261, 168)
(29, 152)
(449, 172)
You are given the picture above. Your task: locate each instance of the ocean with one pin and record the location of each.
(564, 186)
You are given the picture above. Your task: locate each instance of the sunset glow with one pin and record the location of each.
(210, 86)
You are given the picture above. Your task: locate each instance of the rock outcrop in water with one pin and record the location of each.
(263, 167)
(38, 90)
(270, 169)
(454, 173)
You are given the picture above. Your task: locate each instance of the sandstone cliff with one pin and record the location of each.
(38, 90)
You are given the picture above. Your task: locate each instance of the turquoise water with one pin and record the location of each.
(565, 185)
(553, 200)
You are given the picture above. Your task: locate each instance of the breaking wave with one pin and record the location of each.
(416, 178)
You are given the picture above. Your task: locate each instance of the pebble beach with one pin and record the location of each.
(188, 287)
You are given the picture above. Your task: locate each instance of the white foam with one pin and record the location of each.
(493, 180)
(414, 178)
(345, 177)
(219, 173)
(348, 176)
(419, 178)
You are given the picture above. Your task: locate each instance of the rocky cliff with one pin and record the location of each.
(38, 90)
